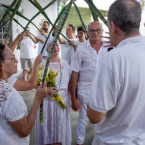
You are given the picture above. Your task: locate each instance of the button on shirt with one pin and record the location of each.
(86, 61)
(119, 89)
(27, 48)
(41, 45)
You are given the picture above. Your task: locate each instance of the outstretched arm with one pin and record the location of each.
(16, 41)
(21, 85)
(61, 41)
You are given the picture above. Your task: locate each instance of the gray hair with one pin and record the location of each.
(93, 22)
(126, 14)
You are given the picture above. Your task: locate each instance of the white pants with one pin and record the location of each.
(81, 121)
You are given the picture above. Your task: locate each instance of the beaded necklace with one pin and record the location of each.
(93, 63)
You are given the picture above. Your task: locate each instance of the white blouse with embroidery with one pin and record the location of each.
(12, 108)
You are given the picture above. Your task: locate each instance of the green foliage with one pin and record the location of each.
(94, 8)
(80, 18)
(21, 15)
(8, 10)
(60, 26)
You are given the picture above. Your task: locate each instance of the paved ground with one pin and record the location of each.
(29, 96)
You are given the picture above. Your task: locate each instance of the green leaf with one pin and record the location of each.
(53, 28)
(60, 26)
(21, 15)
(38, 6)
(95, 17)
(15, 9)
(93, 7)
(80, 18)
(41, 11)
(8, 10)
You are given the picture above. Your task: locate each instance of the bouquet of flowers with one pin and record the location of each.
(50, 79)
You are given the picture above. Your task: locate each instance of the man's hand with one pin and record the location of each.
(76, 106)
(43, 33)
(110, 44)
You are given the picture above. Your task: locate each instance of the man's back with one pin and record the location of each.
(123, 86)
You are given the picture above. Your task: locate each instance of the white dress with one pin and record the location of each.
(56, 122)
(12, 108)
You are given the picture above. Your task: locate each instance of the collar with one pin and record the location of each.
(131, 40)
(89, 45)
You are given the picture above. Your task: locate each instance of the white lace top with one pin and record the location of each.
(12, 108)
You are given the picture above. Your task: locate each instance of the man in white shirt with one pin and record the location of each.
(84, 67)
(81, 38)
(43, 35)
(26, 54)
(117, 94)
(68, 51)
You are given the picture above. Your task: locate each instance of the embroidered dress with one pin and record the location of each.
(56, 122)
(12, 108)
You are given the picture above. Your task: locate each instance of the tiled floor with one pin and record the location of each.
(29, 96)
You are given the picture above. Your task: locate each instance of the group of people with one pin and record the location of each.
(105, 86)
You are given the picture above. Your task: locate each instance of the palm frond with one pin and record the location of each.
(8, 10)
(57, 19)
(41, 11)
(94, 8)
(95, 17)
(16, 8)
(38, 6)
(80, 18)
(21, 15)
(60, 26)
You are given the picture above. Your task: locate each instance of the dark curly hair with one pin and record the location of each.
(2, 57)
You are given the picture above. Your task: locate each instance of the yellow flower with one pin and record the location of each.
(58, 98)
(41, 67)
(53, 97)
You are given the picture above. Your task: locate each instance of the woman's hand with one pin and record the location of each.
(41, 92)
(38, 60)
(51, 91)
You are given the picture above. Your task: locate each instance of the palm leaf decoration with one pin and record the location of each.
(16, 8)
(95, 17)
(60, 26)
(8, 10)
(94, 8)
(41, 11)
(38, 6)
(21, 15)
(80, 18)
(53, 28)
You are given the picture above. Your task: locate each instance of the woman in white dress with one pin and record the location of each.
(56, 128)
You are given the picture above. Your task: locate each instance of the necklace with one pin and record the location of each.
(53, 66)
(93, 63)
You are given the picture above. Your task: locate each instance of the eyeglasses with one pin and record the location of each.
(93, 31)
(12, 58)
(45, 25)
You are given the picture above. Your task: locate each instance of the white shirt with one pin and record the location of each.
(12, 80)
(41, 45)
(68, 51)
(119, 89)
(12, 108)
(86, 61)
(27, 48)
